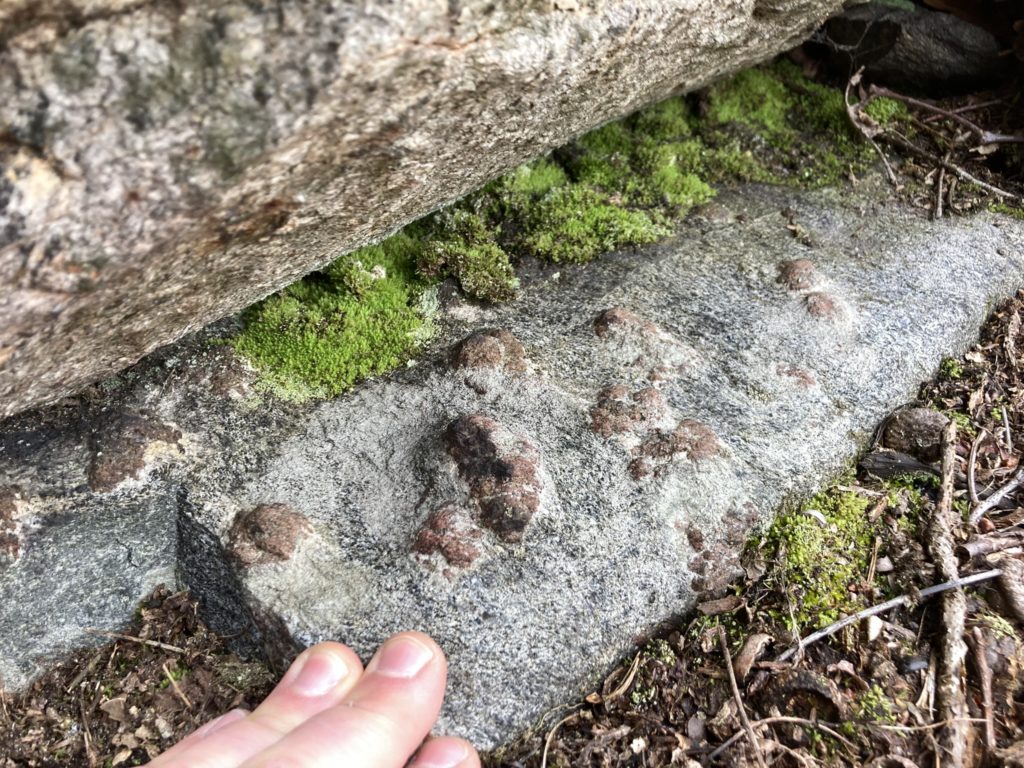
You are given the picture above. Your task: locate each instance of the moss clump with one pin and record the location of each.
(817, 563)
(797, 128)
(1015, 211)
(874, 706)
(951, 368)
(357, 318)
(464, 247)
(756, 98)
(620, 185)
(886, 111)
(576, 223)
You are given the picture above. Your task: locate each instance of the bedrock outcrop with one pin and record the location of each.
(164, 164)
(548, 482)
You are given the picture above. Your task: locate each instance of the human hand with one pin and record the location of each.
(328, 712)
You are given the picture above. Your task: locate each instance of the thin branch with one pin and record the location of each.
(902, 141)
(177, 689)
(782, 719)
(132, 639)
(888, 605)
(950, 694)
(868, 134)
(985, 673)
(938, 189)
(551, 737)
(755, 745)
(966, 108)
(992, 501)
(972, 486)
(983, 136)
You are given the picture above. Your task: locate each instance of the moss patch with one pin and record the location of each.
(817, 562)
(357, 318)
(886, 111)
(620, 185)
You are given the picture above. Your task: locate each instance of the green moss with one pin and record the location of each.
(755, 98)
(660, 650)
(964, 423)
(533, 179)
(817, 563)
(798, 129)
(575, 224)
(669, 120)
(622, 184)
(886, 111)
(643, 696)
(464, 247)
(357, 318)
(1016, 211)
(874, 706)
(951, 368)
(999, 625)
(674, 170)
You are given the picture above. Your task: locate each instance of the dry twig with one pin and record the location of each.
(983, 136)
(742, 710)
(939, 186)
(551, 737)
(992, 501)
(868, 133)
(816, 724)
(972, 486)
(888, 605)
(177, 688)
(951, 699)
(985, 675)
(132, 639)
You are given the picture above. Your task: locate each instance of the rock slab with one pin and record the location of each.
(163, 165)
(552, 480)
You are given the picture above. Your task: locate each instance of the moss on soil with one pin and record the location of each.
(621, 185)
(818, 562)
(886, 111)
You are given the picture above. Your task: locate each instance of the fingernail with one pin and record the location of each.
(401, 656)
(226, 719)
(444, 754)
(319, 671)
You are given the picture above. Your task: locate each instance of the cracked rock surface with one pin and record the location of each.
(551, 478)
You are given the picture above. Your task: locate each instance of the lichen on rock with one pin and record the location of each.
(267, 533)
(501, 470)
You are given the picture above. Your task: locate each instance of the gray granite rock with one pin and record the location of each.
(164, 165)
(552, 478)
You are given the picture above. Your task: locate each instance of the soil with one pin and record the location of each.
(133, 697)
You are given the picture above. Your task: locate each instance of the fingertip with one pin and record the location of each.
(405, 655)
(320, 669)
(446, 752)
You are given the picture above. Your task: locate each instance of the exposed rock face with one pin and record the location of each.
(917, 432)
(639, 416)
(915, 49)
(165, 164)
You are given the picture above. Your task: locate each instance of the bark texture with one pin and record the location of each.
(164, 163)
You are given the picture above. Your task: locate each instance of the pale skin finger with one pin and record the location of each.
(318, 679)
(381, 722)
(446, 752)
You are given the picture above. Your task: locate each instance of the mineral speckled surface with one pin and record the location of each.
(504, 519)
